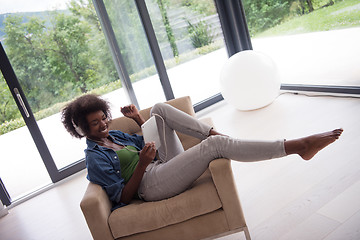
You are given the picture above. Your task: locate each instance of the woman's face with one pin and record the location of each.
(98, 125)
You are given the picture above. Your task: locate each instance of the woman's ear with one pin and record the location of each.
(78, 129)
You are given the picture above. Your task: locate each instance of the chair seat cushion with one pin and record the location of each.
(141, 216)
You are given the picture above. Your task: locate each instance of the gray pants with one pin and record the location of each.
(177, 169)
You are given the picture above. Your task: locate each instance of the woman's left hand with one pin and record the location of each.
(130, 111)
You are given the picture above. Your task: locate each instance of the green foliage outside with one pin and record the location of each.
(261, 15)
(163, 6)
(201, 6)
(129, 34)
(55, 60)
(8, 108)
(278, 17)
(60, 55)
(343, 14)
(200, 34)
(8, 126)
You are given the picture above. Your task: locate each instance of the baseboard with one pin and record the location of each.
(3, 211)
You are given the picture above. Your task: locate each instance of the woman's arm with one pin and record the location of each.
(132, 112)
(147, 154)
(101, 171)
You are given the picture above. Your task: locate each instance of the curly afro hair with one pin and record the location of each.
(74, 114)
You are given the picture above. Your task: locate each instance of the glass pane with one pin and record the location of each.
(313, 42)
(191, 42)
(135, 51)
(58, 53)
(22, 169)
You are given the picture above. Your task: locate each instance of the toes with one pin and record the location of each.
(338, 132)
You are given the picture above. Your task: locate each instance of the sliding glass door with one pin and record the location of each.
(139, 52)
(172, 48)
(148, 51)
(20, 158)
(125, 30)
(192, 45)
(48, 58)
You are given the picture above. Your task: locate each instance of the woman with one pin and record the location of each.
(126, 167)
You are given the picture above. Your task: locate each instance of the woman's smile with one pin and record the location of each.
(98, 125)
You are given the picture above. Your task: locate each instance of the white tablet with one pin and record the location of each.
(150, 132)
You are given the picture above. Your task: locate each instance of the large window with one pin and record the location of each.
(176, 43)
(20, 159)
(127, 51)
(313, 42)
(192, 44)
(143, 52)
(132, 43)
(51, 55)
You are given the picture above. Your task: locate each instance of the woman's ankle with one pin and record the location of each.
(214, 132)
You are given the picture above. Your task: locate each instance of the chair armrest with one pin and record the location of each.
(96, 208)
(224, 182)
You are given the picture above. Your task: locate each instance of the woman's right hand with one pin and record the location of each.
(147, 154)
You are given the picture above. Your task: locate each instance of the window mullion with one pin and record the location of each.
(155, 49)
(115, 50)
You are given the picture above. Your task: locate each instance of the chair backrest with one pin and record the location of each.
(129, 126)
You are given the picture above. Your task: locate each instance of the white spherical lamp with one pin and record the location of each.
(249, 80)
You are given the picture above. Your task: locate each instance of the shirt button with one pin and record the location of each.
(115, 157)
(117, 171)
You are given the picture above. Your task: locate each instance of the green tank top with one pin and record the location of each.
(128, 162)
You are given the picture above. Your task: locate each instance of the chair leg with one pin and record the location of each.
(247, 233)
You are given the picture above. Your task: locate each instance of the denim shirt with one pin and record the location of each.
(103, 165)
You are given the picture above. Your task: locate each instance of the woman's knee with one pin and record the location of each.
(215, 141)
(158, 108)
(213, 146)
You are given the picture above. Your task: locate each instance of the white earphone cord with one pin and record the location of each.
(157, 115)
(136, 151)
(162, 119)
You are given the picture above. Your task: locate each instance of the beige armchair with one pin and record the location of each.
(209, 209)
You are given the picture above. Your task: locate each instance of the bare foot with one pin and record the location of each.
(307, 147)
